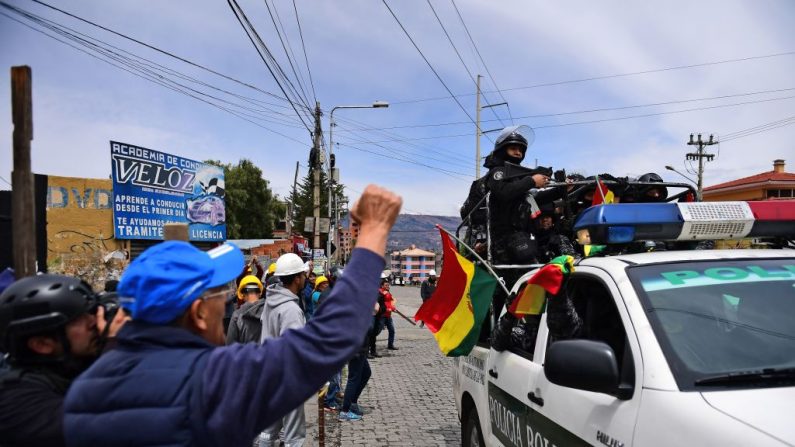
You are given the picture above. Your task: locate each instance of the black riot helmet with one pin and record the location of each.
(522, 136)
(646, 193)
(40, 304)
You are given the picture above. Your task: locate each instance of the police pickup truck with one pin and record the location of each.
(676, 348)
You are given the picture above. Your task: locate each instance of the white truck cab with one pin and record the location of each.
(676, 348)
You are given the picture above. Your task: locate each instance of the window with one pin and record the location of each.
(780, 193)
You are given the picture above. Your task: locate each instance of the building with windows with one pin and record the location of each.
(771, 185)
(412, 264)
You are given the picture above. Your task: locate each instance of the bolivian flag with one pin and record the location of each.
(609, 197)
(602, 195)
(532, 296)
(456, 310)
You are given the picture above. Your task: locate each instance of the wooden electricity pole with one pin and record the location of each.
(22, 208)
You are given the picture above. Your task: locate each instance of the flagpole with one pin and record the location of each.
(485, 264)
(599, 187)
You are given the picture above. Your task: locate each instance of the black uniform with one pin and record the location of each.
(563, 322)
(31, 407)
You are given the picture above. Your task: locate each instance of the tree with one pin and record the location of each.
(305, 205)
(252, 210)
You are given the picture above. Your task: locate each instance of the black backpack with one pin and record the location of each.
(474, 206)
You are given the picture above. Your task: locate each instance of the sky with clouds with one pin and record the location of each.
(423, 145)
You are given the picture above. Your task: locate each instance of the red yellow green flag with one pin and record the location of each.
(602, 195)
(456, 310)
(531, 298)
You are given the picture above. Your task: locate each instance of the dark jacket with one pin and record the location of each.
(163, 385)
(245, 325)
(563, 322)
(31, 407)
(427, 289)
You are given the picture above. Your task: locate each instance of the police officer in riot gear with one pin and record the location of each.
(50, 334)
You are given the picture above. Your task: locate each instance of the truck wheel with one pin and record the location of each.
(472, 436)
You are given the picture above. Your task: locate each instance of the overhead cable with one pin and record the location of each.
(619, 75)
(486, 67)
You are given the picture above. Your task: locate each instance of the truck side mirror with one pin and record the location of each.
(584, 365)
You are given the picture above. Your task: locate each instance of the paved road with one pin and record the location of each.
(409, 400)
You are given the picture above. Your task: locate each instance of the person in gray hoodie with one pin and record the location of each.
(282, 311)
(245, 325)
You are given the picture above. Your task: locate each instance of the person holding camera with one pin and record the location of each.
(51, 328)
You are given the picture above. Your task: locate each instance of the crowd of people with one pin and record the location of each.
(162, 370)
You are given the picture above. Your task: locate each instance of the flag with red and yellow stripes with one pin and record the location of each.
(456, 310)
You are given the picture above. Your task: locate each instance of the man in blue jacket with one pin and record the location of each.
(167, 382)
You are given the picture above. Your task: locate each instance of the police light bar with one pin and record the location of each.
(685, 221)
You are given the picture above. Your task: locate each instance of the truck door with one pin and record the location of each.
(568, 416)
(509, 380)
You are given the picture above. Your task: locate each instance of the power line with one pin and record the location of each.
(159, 50)
(233, 5)
(7, 182)
(398, 138)
(454, 174)
(457, 53)
(486, 67)
(303, 45)
(431, 66)
(287, 54)
(619, 75)
(603, 109)
(126, 61)
(758, 129)
(144, 74)
(616, 118)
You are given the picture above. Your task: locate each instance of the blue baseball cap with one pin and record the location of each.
(161, 283)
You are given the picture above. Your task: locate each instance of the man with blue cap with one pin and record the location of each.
(170, 380)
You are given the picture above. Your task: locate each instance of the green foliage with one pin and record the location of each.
(304, 200)
(252, 210)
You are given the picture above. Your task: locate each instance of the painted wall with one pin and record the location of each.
(750, 194)
(79, 216)
(80, 230)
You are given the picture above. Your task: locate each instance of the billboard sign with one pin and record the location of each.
(152, 188)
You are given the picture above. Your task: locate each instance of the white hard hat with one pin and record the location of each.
(289, 264)
(432, 273)
(384, 275)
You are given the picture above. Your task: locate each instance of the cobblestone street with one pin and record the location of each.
(409, 399)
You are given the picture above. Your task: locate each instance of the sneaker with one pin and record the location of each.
(392, 348)
(331, 407)
(349, 416)
(355, 408)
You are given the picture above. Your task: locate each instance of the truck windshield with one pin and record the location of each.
(722, 323)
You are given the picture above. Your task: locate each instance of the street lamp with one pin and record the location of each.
(331, 163)
(698, 193)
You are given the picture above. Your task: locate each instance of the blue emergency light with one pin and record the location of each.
(685, 221)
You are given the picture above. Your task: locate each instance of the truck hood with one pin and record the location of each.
(768, 410)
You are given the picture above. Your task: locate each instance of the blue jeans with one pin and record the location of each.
(390, 328)
(358, 376)
(333, 389)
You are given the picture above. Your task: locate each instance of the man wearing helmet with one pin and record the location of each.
(282, 312)
(51, 334)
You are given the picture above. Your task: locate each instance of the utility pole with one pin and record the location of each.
(477, 130)
(291, 210)
(316, 179)
(22, 208)
(700, 155)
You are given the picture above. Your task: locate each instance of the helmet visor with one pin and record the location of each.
(523, 130)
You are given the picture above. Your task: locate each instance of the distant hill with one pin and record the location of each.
(420, 230)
